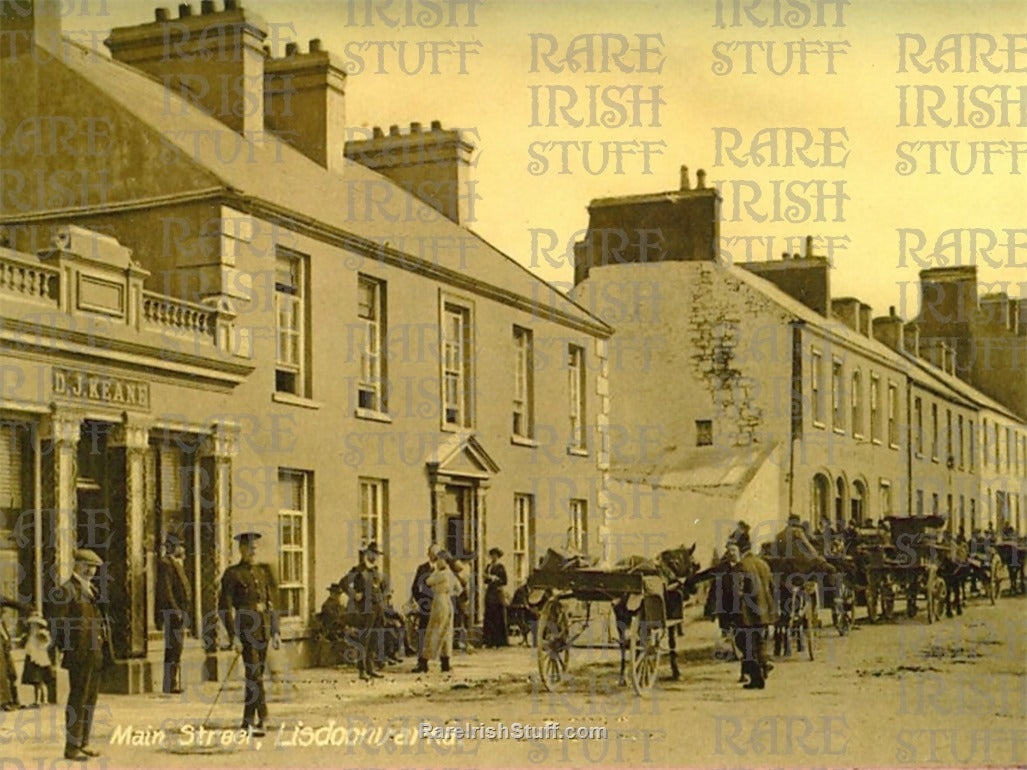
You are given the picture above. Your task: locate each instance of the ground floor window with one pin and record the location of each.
(293, 514)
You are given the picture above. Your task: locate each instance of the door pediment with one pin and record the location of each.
(461, 455)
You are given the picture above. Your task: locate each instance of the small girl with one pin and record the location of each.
(38, 670)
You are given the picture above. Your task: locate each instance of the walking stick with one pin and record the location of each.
(221, 689)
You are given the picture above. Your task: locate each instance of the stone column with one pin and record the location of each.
(477, 596)
(438, 491)
(127, 446)
(214, 529)
(59, 436)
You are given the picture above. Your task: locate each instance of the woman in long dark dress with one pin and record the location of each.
(494, 629)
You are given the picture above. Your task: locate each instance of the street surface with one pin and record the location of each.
(897, 694)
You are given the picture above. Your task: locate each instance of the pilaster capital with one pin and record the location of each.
(133, 434)
(222, 442)
(62, 427)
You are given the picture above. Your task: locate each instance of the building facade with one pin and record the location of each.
(395, 377)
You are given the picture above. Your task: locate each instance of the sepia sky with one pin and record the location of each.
(494, 97)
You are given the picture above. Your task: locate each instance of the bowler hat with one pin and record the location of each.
(497, 551)
(793, 518)
(247, 537)
(372, 547)
(86, 556)
(336, 588)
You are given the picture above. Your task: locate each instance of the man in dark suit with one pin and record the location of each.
(755, 609)
(246, 608)
(174, 600)
(80, 631)
(366, 589)
(422, 596)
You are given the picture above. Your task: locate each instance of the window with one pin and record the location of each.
(856, 399)
(456, 366)
(290, 324)
(292, 541)
(973, 444)
(934, 432)
(523, 536)
(885, 495)
(962, 513)
(918, 425)
(371, 315)
(949, 454)
(579, 525)
(576, 391)
(984, 443)
(523, 406)
(998, 461)
(893, 415)
(704, 432)
(960, 441)
(875, 408)
(374, 500)
(816, 387)
(1009, 448)
(920, 502)
(973, 514)
(837, 396)
(13, 496)
(934, 503)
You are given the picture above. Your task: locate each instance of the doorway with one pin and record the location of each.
(460, 520)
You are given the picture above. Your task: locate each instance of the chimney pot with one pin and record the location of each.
(785, 255)
(700, 179)
(207, 6)
(267, 51)
(160, 14)
(809, 246)
(315, 45)
(184, 10)
(377, 132)
(415, 128)
(436, 125)
(891, 311)
(394, 130)
(796, 255)
(685, 184)
(291, 49)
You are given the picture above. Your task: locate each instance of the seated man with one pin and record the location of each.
(393, 634)
(793, 543)
(333, 625)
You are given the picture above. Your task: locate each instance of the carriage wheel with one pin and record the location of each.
(645, 637)
(554, 648)
(845, 602)
(995, 579)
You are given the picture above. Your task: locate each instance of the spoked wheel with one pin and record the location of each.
(844, 605)
(995, 579)
(645, 639)
(554, 647)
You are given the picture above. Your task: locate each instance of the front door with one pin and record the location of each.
(459, 516)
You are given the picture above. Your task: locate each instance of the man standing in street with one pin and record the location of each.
(246, 608)
(174, 599)
(755, 609)
(367, 606)
(422, 598)
(80, 631)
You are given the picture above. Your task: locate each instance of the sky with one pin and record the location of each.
(861, 92)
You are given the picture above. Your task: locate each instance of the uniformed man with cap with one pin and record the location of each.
(246, 608)
(174, 600)
(81, 632)
(366, 588)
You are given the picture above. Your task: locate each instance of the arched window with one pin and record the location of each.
(820, 498)
(859, 501)
(839, 501)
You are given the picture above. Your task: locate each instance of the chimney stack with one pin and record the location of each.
(305, 95)
(889, 330)
(25, 24)
(214, 59)
(685, 183)
(434, 166)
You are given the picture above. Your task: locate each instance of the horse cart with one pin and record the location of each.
(647, 599)
(907, 564)
(1012, 552)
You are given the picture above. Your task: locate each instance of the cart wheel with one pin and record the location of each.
(553, 644)
(645, 637)
(995, 579)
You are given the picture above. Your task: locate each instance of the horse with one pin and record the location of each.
(522, 616)
(677, 567)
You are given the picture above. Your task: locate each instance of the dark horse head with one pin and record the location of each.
(678, 564)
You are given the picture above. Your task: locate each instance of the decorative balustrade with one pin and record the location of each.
(33, 282)
(178, 315)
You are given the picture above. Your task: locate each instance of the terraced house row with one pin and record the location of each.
(219, 315)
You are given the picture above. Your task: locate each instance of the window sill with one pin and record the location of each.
(293, 628)
(523, 441)
(875, 441)
(577, 451)
(839, 431)
(289, 398)
(859, 436)
(893, 446)
(817, 424)
(370, 414)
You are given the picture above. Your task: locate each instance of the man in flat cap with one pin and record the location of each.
(81, 632)
(366, 588)
(246, 608)
(174, 600)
